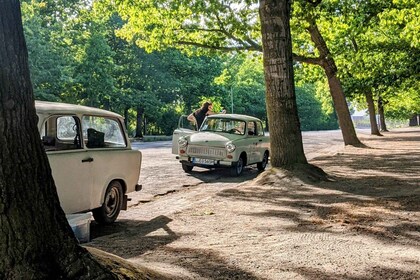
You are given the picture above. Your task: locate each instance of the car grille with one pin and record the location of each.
(206, 151)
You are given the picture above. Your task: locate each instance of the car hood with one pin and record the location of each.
(211, 138)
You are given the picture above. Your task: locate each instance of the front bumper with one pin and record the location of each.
(217, 163)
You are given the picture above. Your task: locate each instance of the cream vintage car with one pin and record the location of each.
(223, 140)
(93, 165)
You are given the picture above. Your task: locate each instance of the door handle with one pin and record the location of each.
(87, 160)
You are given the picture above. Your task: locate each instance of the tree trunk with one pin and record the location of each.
(336, 90)
(381, 114)
(139, 123)
(414, 120)
(283, 120)
(126, 121)
(372, 114)
(36, 241)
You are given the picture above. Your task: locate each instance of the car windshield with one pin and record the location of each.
(224, 125)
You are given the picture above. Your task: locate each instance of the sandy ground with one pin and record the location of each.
(362, 224)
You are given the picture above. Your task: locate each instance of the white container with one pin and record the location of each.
(80, 224)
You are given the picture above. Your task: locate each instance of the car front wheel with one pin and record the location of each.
(187, 168)
(108, 212)
(263, 164)
(238, 168)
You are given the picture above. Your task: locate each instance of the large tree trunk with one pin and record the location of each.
(336, 90)
(381, 113)
(36, 241)
(139, 123)
(372, 114)
(284, 126)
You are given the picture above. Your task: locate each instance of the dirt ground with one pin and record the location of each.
(362, 224)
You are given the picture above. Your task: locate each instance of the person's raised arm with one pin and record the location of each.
(191, 118)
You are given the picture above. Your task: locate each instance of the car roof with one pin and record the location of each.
(52, 108)
(235, 117)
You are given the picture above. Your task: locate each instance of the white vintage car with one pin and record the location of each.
(93, 165)
(223, 140)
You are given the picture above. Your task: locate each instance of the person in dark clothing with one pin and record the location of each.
(199, 115)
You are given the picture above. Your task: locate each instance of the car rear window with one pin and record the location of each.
(102, 132)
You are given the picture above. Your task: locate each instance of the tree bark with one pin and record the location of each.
(126, 120)
(340, 104)
(381, 113)
(284, 126)
(139, 123)
(372, 114)
(36, 241)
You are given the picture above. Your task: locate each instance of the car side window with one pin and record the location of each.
(260, 129)
(251, 128)
(61, 132)
(102, 132)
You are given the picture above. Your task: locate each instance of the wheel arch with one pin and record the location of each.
(105, 187)
(244, 157)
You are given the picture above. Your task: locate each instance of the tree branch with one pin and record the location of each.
(310, 60)
(219, 48)
(314, 2)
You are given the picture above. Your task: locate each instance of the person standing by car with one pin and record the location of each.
(199, 115)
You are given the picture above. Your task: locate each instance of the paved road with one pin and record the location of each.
(161, 173)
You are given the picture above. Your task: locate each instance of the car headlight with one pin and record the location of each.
(230, 147)
(182, 142)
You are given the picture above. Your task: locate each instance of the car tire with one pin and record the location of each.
(263, 164)
(238, 168)
(113, 201)
(187, 168)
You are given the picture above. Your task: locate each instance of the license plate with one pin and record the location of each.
(203, 161)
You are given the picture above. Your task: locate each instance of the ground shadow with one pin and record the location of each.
(204, 263)
(224, 175)
(369, 202)
(129, 238)
(375, 273)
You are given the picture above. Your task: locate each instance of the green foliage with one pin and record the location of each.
(50, 69)
(311, 114)
(123, 57)
(94, 74)
(218, 25)
(375, 44)
(168, 121)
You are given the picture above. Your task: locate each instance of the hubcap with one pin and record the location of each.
(111, 202)
(239, 166)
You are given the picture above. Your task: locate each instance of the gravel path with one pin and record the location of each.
(364, 224)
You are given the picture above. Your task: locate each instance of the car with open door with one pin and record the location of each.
(223, 141)
(92, 163)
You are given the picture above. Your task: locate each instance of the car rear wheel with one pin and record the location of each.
(238, 168)
(187, 168)
(113, 201)
(263, 164)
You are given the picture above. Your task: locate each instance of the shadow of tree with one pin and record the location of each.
(375, 273)
(205, 263)
(370, 201)
(128, 238)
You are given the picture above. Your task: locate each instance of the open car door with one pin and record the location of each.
(185, 127)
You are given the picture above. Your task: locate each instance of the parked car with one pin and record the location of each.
(93, 165)
(223, 140)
